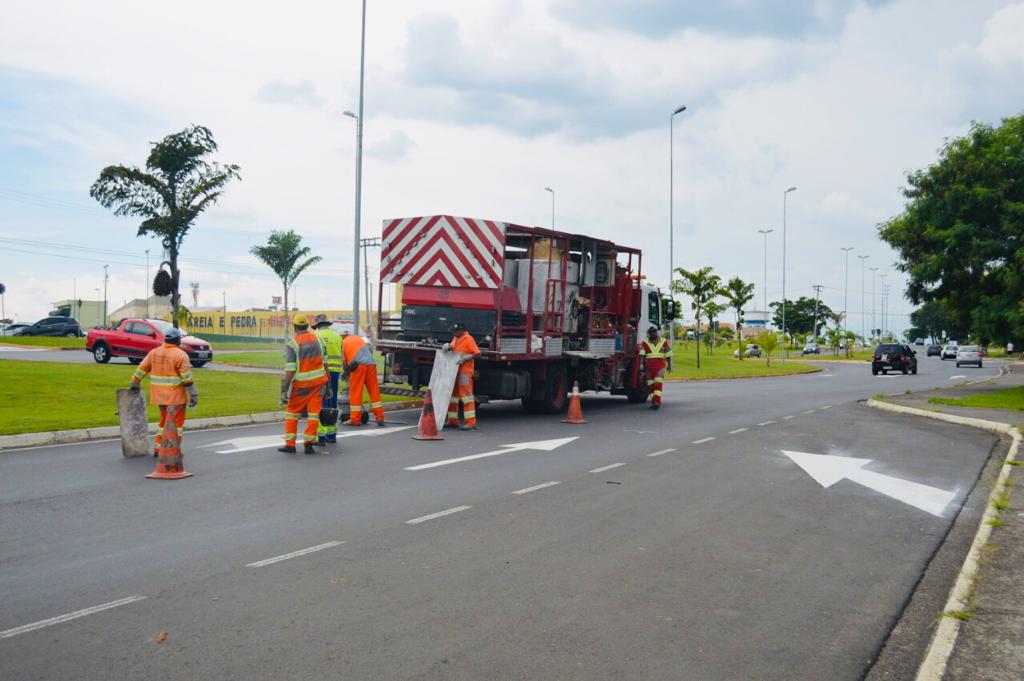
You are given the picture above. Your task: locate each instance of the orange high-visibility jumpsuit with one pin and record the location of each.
(463, 393)
(364, 373)
(303, 355)
(655, 362)
(169, 372)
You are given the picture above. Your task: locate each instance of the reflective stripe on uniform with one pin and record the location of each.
(654, 352)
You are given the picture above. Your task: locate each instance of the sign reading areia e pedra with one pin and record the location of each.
(255, 323)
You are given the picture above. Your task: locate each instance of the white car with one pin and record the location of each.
(949, 350)
(968, 354)
(753, 350)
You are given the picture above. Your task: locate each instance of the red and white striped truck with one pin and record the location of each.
(546, 307)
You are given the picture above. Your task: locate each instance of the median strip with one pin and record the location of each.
(439, 514)
(24, 629)
(295, 554)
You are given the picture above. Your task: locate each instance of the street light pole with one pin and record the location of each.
(765, 232)
(785, 345)
(846, 298)
(147, 284)
(874, 276)
(883, 329)
(671, 223)
(359, 171)
(106, 278)
(549, 189)
(863, 317)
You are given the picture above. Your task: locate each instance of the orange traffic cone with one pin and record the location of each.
(428, 426)
(169, 462)
(575, 415)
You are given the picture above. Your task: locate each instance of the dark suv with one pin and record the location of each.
(53, 326)
(893, 356)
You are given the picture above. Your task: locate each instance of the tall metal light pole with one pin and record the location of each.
(863, 317)
(356, 244)
(671, 195)
(549, 189)
(147, 284)
(785, 345)
(846, 298)
(874, 276)
(106, 278)
(765, 232)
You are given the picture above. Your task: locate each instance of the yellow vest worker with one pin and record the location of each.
(170, 381)
(330, 343)
(304, 385)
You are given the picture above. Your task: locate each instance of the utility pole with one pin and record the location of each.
(846, 298)
(671, 223)
(366, 245)
(106, 278)
(817, 295)
(874, 276)
(765, 233)
(146, 298)
(785, 344)
(359, 168)
(884, 289)
(224, 299)
(863, 318)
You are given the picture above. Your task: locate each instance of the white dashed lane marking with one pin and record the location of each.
(295, 554)
(602, 469)
(702, 440)
(809, 411)
(67, 617)
(536, 487)
(439, 514)
(827, 406)
(738, 430)
(661, 451)
(765, 423)
(786, 418)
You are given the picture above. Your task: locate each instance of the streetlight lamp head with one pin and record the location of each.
(349, 114)
(791, 189)
(549, 189)
(679, 109)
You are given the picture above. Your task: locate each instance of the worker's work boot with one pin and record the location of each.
(466, 426)
(380, 424)
(287, 449)
(309, 448)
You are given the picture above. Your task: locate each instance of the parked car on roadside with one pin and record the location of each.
(11, 329)
(752, 350)
(893, 356)
(811, 349)
(919, 341)
(949, 350)
(968, 354)
(934, 350)
(133, 338)
(52, 326)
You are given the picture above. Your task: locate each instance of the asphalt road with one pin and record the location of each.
(679, 544)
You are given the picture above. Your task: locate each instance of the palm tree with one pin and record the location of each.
(282, 254)
(712, 310)
(703, 286)
(738, 293)
(177, 185)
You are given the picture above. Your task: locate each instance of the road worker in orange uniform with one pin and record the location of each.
(170, 381)
(304, 386)
(657, 355)
(361, 371)
(464, 344)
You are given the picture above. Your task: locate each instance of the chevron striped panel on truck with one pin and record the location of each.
(441, 250)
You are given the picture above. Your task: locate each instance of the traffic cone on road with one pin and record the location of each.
(428, 425)
(575, 415)
(170, 462)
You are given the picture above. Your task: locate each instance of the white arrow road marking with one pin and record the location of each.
(24, 629)
(827, 470)
(543, 445)
(248, 444)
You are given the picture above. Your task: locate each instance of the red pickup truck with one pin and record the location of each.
(133, 338)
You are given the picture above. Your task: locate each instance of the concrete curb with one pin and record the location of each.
(61, 437)
(933, 667)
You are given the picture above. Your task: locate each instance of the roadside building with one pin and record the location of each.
(154, 307)
(89, 313)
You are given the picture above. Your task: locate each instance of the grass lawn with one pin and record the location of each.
(1011, 398)
(723, 365)
(826, 355)
(223, 346)
(44, 341)
(43, 396)
(274, 360)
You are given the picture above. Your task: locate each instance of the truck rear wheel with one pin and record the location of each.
(637, 395)
(555, 395)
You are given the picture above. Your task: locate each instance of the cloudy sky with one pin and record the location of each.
(472, 108)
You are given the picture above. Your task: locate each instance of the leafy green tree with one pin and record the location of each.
(713, 310)
(702, 286)
(834, 336)
(931, 319)
(738, 293)
(960, 237)
(769, 342)
(177, 185)
(800, 315)
(288, 258)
